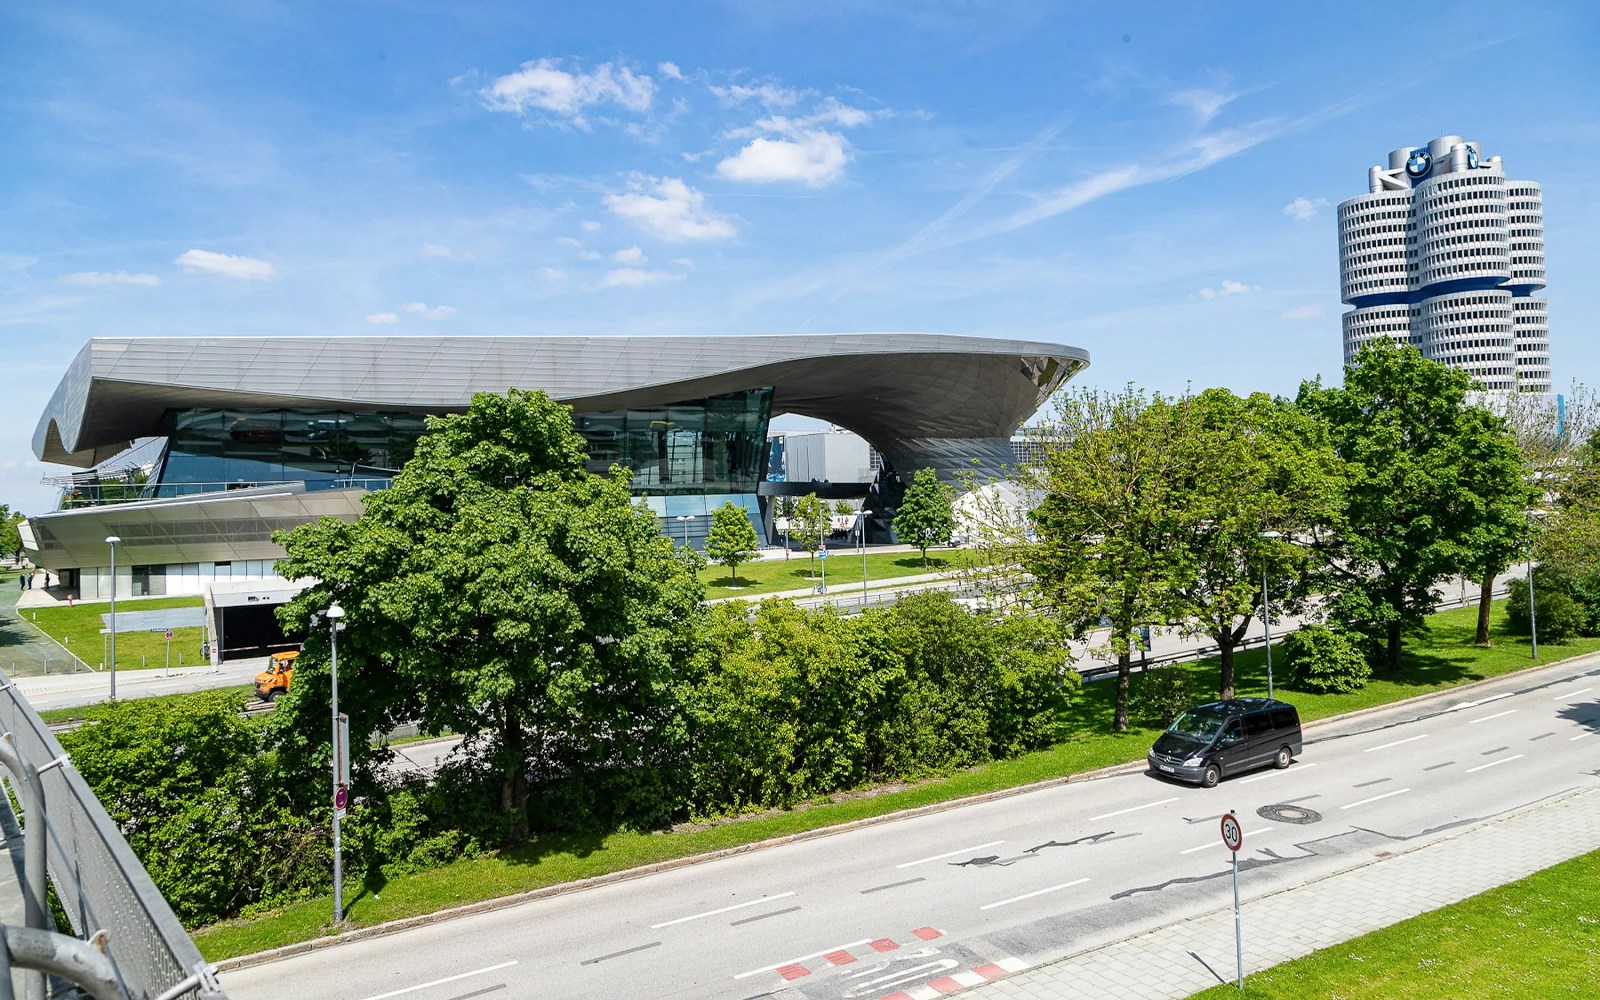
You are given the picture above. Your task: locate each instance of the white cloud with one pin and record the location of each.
(1302, 209)
(629, 255)
(634, 277)
(226, 264)
(669, 70)
(590, 255)
(1228, 287)
(589, 226)
(570, 241)
(1204, 103)
(96, 279)
(683, 261)
(435, 250)
(554, 275)
(670, 209)
(542, 85)
(812, 156)
(1303, 312)
(382, 317)
(770, 94)
(429, 312)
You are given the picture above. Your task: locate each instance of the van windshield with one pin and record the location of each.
(1201, 724)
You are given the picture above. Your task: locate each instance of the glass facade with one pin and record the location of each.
(712, 446)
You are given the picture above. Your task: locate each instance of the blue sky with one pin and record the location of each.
(1151, 181)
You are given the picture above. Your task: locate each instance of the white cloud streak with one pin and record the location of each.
(634, 277)
(629, 255)
(99, 279)
(382, 318)
(670, 209)
(1312, 311)
(543, 86)
(1302, 209)
(227, 265)
(1228, 287)
(429, 312)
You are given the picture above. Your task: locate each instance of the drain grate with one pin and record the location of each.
(1285, 813)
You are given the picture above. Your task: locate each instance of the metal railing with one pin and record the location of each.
(100, 884)
(109, 494)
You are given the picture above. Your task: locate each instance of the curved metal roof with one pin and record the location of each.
(898, 390)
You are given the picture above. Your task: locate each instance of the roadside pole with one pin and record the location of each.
(1233, 837)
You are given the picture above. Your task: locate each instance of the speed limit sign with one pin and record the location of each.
(1232, 835)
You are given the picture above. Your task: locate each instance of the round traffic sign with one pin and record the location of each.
(1232, 835)
(169, 633)
(341, 797)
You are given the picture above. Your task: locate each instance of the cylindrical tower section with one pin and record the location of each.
(1375, 234)
(1531, 331)
(1471, 331)
(1461, 230)
(1362, 326)
(1525, 224)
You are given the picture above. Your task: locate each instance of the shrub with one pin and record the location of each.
(1160, 695)
(1322, 660)
(1560, 612)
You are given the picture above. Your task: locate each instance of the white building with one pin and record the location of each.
(1445, 253)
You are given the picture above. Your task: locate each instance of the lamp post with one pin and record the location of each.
(684, 520)
(112, 541)
(1266, 611)
(863, 526)
(1534, 516)
(822, 549)
(334, 614)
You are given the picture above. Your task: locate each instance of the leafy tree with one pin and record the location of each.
(1325, 660)
(785, 508)
(1428, 482)
(809, 525)
(1114, 489)
(498, 589)
(732, 538)
(10, 536)
(1251, 466)
(926, 515)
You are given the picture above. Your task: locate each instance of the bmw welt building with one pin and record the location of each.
(259, 434)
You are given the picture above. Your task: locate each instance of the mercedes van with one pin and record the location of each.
(1220, 738)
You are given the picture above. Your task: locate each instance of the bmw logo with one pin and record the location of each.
(1472, 158)
(1419, 163)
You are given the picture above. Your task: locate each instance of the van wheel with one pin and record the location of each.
(273, 695)
(1211, 776)
(1282, 760)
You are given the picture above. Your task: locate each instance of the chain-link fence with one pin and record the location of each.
(99, 882)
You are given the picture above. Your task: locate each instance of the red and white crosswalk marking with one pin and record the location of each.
(945, 985)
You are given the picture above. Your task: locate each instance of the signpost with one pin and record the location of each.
(169, 651)
(822, 554)
(1233, 838)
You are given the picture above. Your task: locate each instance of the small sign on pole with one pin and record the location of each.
(1233, 837)
(343, 749)
(341, 799)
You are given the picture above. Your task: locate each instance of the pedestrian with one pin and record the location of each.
(22, 582)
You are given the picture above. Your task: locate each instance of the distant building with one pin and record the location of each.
(1445, 254)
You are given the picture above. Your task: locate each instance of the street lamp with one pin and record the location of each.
(112, 541)
(1534, 516)
(333, 614)
(684, 520)
(863, 526)
(1266, 611)
(822, 550)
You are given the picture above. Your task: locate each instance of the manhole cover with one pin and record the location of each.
(1283, 813)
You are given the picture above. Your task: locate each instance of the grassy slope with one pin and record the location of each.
(78, 628)
(1535, 939)
(1440, 659)
(770, 576)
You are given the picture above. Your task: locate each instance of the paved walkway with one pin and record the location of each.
(1192, 955)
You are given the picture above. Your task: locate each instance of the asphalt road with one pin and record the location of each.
(1003, 884)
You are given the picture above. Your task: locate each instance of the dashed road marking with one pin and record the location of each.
(1494, 763)
(1121, 812)
(1385, 795)
(1296, 769)
(795, 962)
(440, 982)
(1571, 694)
(1385, 746)
(951, 854)
(1030, 895)
(1486, 718)
(1219, 843)
(1581, 736)
(725, 909)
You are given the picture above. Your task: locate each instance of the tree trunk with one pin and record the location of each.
(924, 557)
(1394, 647)
(1485, 598)
(514, 782)
(1119, 722)
(1225, 654)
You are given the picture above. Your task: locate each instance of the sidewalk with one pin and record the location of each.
(1173, 961)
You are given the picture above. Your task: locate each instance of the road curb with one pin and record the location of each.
(505, 902)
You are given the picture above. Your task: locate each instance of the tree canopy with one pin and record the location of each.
(926, 515)
(732, 538)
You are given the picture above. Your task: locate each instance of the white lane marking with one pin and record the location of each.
(796, 961)
(1492, 763)
(725, 909)
(1263, 777)
(447, 979)
(1219, 843)
(1486, 718)
(1030, 895)
(1571, 694)
(950, 854)
(1480, 701)
(1581, 736)
(1397, 791)
(1385, 746)
(1119, 812)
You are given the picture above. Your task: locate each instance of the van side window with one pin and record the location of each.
(1284, 718)
(1233, 732)
(1259, 724)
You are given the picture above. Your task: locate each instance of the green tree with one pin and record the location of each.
(10, 535)
(926, 515)
(1251, 466)
(732, 538)
(785, 508)
(809, 525)
(500, 590)
(1428, 482)
(1115, 491)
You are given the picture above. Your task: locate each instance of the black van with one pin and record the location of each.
(1226, 737)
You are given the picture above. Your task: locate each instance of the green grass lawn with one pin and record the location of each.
(799, 572)
(89, 713)
(1439, 659)
(1536, 939)
(78, 628)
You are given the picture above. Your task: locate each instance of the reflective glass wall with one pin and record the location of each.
(704, 446)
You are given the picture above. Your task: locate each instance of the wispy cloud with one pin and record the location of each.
(98, 279)
(382, 318)
(1312, 311)
(1228, 287)
(554, 275)
(1205, 104)
(226, 264)
(1302, 209)
(436, 250)
(768, 93)
(429, 312)
(671, 209)
(634, 277)
(543, 86)
(629, 255)
(669, 70)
